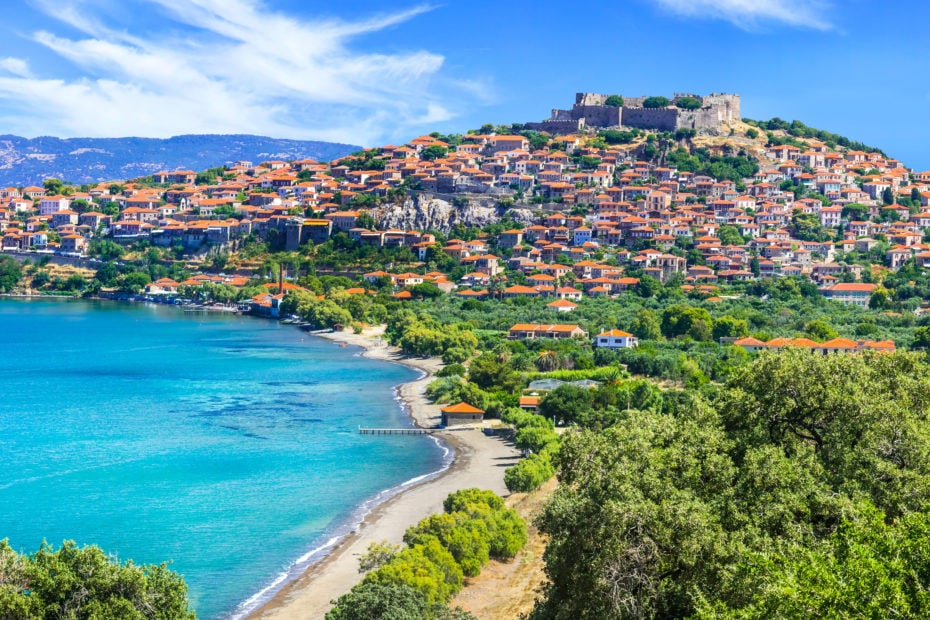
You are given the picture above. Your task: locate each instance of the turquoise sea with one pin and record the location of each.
(225, 444)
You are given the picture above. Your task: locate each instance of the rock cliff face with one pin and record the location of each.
(425, 212)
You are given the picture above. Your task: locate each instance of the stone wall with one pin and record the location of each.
(662, 119)
(589, 111)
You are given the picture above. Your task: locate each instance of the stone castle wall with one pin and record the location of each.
(661, 119)
(590, 111)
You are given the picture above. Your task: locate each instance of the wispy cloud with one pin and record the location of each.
(226, 66)
(749, 14)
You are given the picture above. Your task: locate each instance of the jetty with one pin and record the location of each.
(409, 431)
(397, 431)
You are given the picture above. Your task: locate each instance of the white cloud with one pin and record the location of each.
(747, 14)
(15, 66)
(236, 67)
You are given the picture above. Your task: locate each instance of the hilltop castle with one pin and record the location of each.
(591, 110)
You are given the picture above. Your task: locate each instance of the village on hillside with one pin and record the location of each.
(605, 207)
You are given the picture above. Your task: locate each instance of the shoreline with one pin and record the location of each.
(476, 461)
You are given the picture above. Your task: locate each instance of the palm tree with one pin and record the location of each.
(548, 361)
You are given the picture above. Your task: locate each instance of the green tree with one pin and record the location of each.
(729, 235)
(567, 404)
(434, 152)
(820, 331)
(688, 103)
(83, 583)
(656, 102)
(888, 196)
(646, 325)
(730, 327)
(53, 186)
(921, 338)
(615, 101)
(648, 286)
(11, 273)
(880, 299)
(679, 320)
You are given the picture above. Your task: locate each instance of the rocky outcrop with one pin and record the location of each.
(425, 212)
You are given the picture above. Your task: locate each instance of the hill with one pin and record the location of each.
(25, 161)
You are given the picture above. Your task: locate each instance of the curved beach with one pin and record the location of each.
(479, 461)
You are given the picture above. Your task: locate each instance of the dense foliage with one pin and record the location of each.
(801, 490)
(420, 580)
(83, 583)
(688, 103)
(10, 273)
(656, 102)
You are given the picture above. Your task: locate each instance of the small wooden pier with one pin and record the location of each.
(397, 431)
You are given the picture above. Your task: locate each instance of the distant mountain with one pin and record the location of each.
(25, 161)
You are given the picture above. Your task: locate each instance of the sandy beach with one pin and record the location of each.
(479, 461)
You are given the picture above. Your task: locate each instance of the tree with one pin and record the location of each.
(855, 211)
(84, 583)
(656, 102)
(648, 287)
(434, 151)
(365, 220)
(921, 338)
(52, 186)
(695, 323)
(730, 327)
(646, 325)
(688, 103)
(615, 101)
(888, 196)
(567, 404)
(799, 491)
(529, 474)
(820, 331)
(134, 281)
(729, 235)
(11, 272)
(387, 601)
(879, 299)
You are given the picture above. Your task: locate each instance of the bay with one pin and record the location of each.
(225, 444)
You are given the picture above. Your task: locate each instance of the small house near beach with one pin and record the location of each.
(462, 413)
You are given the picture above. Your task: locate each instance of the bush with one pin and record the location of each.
(615, 101)
(452, 370)
(688, 103)
(529, 474)
(419, 581)
(83, 582)
(656, 102)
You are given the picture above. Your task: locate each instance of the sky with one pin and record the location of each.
(373, 72)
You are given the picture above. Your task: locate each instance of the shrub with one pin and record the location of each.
(529, 474)
(656, 102)
(688, 103)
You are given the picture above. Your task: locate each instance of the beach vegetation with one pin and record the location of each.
(378, 554)
(420, 580)
(84, 583)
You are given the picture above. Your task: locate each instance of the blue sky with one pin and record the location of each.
(371, 72)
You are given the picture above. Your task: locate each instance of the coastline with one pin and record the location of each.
(477, 460)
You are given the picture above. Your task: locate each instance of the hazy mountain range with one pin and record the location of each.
(25, 161)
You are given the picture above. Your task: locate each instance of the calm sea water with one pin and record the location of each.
(228, 445)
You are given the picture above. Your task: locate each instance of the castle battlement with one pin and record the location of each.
(591, 110)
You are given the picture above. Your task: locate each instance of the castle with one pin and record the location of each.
(591, 111)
